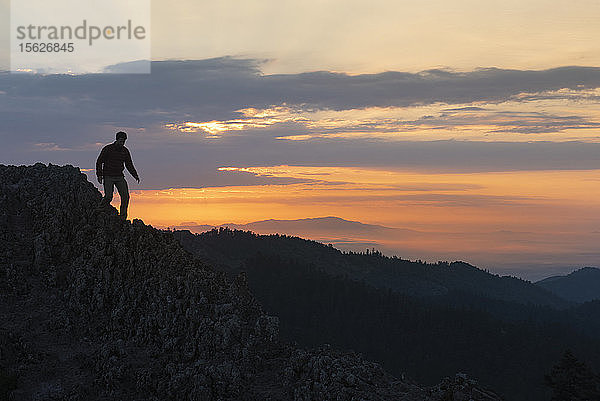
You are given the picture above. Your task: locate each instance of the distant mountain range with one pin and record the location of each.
(582, 285)
(425, 319)
(329, 223)
(411, 278)
(349, 235)
(330, 229)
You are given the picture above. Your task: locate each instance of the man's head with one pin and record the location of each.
(121, 138)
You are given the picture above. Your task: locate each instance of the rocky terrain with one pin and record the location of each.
(96, 308)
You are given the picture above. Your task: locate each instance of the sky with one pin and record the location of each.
(471, 129)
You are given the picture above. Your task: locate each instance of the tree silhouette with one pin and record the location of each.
(572, 380)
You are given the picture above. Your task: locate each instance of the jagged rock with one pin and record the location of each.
(461, 388)
(94, 307)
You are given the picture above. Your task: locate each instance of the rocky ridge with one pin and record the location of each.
(96, 308)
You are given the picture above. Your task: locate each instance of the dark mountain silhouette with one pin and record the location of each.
(400, 275)
(586, 317)
(329, 224)
(93, 307)
(488, 326)
(579, 286)
(335, 230)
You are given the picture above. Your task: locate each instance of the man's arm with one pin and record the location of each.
(99, 162)
(130, 168)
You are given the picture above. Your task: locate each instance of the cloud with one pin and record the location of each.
(471, 201)
(468, 108)
(217, 87)
(388, 125)
(340, 91)
(74, 115)
(523, 122)
(51, 146)
(77, 107)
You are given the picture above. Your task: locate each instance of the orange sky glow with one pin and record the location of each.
(482, 216)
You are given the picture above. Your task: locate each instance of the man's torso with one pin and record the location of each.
(114, 160)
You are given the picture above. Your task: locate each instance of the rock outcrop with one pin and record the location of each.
(96, 308)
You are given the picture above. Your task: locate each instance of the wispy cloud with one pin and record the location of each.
(468, 123)
(48, 147)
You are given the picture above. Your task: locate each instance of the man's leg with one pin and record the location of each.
(108, 190)
(123, 189)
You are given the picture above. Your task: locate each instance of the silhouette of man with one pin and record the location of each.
(109, 170)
